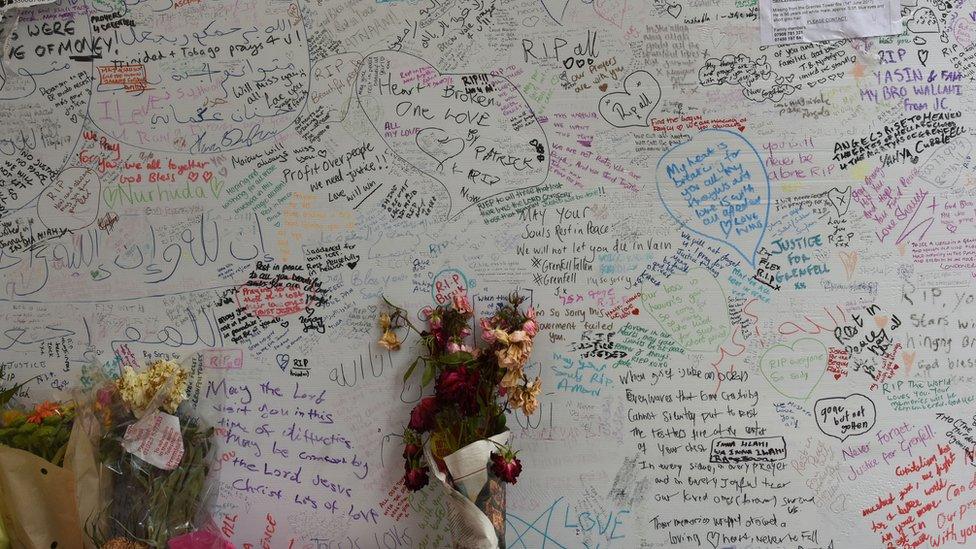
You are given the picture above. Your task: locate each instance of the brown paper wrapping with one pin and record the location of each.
(41, 503)
(90, 485)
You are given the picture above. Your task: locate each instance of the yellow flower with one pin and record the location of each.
(390, 340)
(139, 390)
(11, 416)
(385, 322)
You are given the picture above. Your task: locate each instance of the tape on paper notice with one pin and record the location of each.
(791, 21)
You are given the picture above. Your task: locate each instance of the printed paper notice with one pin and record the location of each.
(6, 5)
(790, 21)
(157, 439)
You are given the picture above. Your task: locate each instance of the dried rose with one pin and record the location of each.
(526, 397)
(506, 466)
(459, 386)
(390, 340)
(411, 450)
(511, 378)
(422, 415)
(461, 303)
(487, 331)
(416, 478)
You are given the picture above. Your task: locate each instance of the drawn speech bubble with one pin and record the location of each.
(843, 417)
(716, 185)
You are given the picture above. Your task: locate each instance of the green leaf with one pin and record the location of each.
(8, 394)
(460, 357)
(428, 375)
(411, 369)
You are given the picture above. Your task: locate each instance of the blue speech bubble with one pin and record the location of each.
(722, 189)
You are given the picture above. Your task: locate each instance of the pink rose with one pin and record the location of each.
(462, 304)
(487, 331)
(530, 328)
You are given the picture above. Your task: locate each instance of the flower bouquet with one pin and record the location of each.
(459, 433)
(158, 461)
(48, 474)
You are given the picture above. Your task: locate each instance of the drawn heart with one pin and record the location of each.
(840, 200)
(207, 176)
(796, 370)
(692, 308)
(923, 56)
(849, 259)
(192, 176)
(603, 87)
(71, 201)
(215, 188)
(923, 21)
(282, 359)
(674, 10)
(352, 263)
(439, 145)
(726, 226)
(713, 538)
(881, 321)
(222, 172)
(908, 358)
(694, 169)
(437, 137)
(633, 106)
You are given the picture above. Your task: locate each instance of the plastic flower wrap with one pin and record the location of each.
(155, 498)
(139, 390)
(474, 384)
